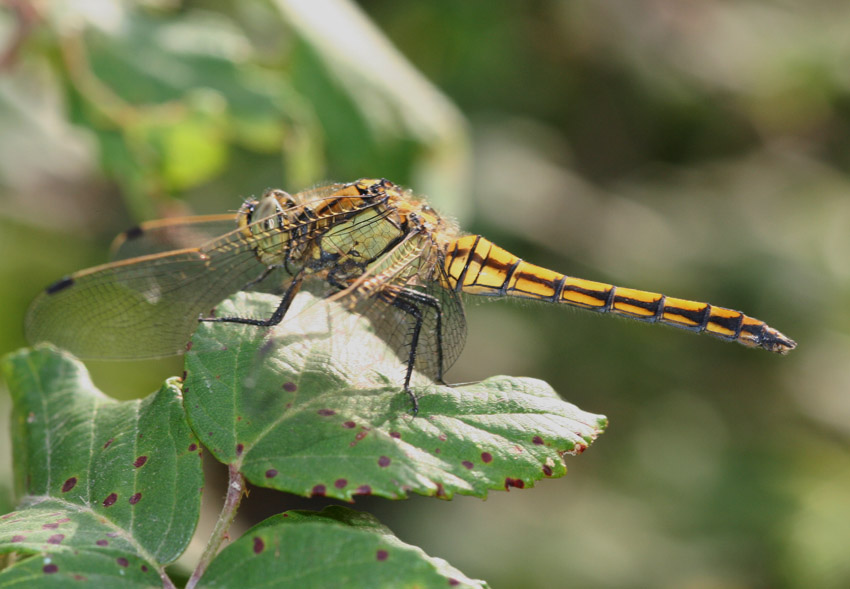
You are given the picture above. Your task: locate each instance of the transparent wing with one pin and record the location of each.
(165, 235)
(401, 290)
(146, 306)
(442, 331)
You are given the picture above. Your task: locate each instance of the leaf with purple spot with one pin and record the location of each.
(106, 484)
(343, 415)
(365, 554)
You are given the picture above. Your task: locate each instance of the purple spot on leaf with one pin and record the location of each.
(453, 582)
(50, 526)
(486, 457)
(340, 483)
(122, 561)
(319, 490)
(290, 387)
(56, 538)
(140, 461)
(135, 498)
(384, 461)
(102, 542)
(326, 412)
(395, 435)
(50, 568)
(144, 568)
(259, 545)
(537, 440)
(349, 424)
(271, 473)
(382, 555)
(110, 500)
(239, 449)
(509, 482)
(193, 447)
(69, 484)
(18, 538)
(363, 490)
(442, 437)
(547, 470)
(108, 442)
(467, 464)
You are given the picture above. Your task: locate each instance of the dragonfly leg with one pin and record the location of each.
(414, 311)
(409, 301)
(275, 318)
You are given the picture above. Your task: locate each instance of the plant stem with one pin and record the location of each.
(235, 490)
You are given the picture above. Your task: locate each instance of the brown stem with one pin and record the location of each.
(235, 490)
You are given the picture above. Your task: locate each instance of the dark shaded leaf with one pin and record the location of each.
(337, 547)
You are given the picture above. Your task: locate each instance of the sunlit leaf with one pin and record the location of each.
(320, 410)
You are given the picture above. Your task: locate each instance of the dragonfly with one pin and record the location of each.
(372, 246)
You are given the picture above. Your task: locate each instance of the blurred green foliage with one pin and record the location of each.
(696, 148)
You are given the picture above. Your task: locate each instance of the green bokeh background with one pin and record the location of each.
(695, 148)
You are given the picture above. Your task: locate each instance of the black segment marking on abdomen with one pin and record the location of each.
(648, 305)
(699, 318)
(733, 324)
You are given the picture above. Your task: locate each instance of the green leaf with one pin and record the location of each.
(319, 410)
(111, 489)
(337, 547)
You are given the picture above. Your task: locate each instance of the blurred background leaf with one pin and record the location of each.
(695, 148)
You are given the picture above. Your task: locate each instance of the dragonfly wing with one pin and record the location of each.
(143, 307)
(164, 235)
(404, 289)
(442, 332)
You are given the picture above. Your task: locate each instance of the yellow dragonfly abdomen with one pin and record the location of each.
(476, 266)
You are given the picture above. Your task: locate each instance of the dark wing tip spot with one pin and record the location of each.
(60, 284)
(134, 232)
